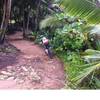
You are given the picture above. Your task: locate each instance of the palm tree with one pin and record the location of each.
(90, 11)
(87, 9)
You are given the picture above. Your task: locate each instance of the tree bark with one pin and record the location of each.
(37, 15)
(24, 34)
(5, 19)
(28, 19)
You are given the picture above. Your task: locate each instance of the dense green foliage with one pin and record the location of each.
(67, 32)
(69, 40)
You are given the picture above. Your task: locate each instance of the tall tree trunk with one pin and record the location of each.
(28, 19)
(27, 28)
(5, 19)
(37, 15)
(25, 22)
(24, 33)
(26, 16)
(2, 28)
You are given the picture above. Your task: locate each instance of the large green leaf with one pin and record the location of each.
(97, 81)
(86, 72)
(93, 57)
(49, 21)
(83, 8)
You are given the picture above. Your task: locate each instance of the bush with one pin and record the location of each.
(68, 40)
(64, 31)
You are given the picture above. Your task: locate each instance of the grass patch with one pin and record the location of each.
(72, 64)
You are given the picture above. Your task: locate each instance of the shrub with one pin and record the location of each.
(67, 39)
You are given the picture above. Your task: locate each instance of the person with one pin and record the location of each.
(45, 42)
(47, 47)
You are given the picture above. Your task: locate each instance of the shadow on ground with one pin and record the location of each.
(8, 55)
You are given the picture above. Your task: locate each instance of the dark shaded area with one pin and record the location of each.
(6, 60)
(12, 28)
(8, 55)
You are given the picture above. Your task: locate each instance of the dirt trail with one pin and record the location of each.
(33, 70)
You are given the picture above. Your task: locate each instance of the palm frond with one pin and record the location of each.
(97, 81)
(91, 52)
(85, 73)
(90, 55)
(83, 8)
(49, 21)
(93, 59)
(55, 20)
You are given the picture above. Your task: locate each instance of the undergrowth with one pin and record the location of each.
(72, 65)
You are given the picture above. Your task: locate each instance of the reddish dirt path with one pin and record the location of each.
(33, 70)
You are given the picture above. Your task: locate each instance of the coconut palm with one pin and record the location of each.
(87, 9)
(91, 71)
